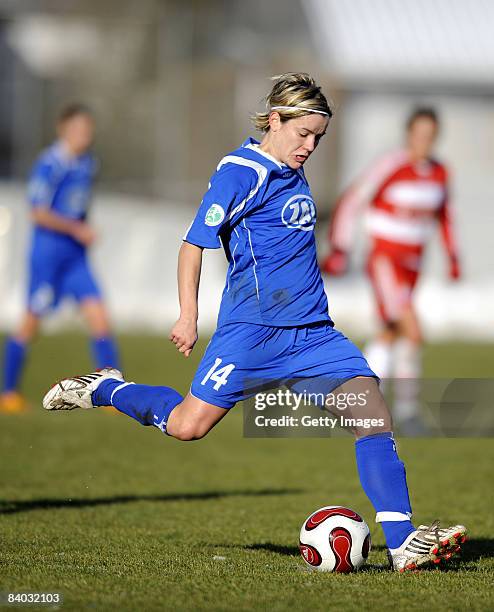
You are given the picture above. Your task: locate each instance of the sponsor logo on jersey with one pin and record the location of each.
(215, 215)
(299, 213)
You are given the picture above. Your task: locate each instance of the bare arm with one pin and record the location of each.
(449, 240)
(79, 230)
(184, 332)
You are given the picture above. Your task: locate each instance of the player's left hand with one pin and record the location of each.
(84, 233)
(184, 335)
(336, 263)
(454, 269)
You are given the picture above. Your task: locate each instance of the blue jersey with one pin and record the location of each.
(262, 213)
(63, 184)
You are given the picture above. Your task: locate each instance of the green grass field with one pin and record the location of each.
(119, 517)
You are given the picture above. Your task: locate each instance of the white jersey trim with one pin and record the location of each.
(382, 224)
(257, 149)
(361, 192)
(423, 195)
(233, 258)
(261, 171)
(253, 257)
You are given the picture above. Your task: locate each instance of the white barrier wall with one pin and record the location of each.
(135, 260)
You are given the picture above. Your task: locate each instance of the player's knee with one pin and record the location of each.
(377, 418)
(187, 432)
(415, 337)
(28, 329)
(382, 425)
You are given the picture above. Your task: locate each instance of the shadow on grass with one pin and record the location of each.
(293, 551)
(289, 551)
(473, 551)
(14, 506)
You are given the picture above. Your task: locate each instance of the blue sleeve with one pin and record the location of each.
(230, 195)
(42, 184)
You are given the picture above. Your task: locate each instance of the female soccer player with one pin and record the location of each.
(59, 192)
(273, 321)
(408, 194)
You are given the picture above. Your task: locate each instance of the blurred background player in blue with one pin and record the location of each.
(59, 192)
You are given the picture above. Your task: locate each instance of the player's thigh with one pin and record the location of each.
(44, 286)
(240, 359)
(387, 287)
(361, 405)
(28, 327)
(327, 365)
(193, 418)
(409, 324)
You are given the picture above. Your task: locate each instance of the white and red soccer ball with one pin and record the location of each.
(335, 539)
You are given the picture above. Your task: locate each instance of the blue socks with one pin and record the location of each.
(13, 363)
(383, 479)
(105, 353)
(147, 405)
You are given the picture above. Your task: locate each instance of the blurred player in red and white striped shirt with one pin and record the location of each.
(407, 193)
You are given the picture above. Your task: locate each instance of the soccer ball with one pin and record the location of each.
(335, 539)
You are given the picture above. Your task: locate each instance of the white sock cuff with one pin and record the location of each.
(392, 517)
(125, 384)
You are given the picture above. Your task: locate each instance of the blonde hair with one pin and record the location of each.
(294, 94)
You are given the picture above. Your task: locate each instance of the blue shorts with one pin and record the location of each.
(242, 357)
(55, 277)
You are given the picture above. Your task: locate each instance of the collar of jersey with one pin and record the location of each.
(253, 144)
(59, 151)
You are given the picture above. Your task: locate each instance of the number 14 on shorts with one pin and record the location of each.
(218, 374)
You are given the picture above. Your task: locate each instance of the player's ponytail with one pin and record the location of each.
(294, 94)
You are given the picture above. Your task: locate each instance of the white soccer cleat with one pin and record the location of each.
(427, 544)
(76, 392)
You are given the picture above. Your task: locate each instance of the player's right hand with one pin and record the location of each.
(184, 335)
(84, 233)
(336, 263)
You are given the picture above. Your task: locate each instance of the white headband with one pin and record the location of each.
(302, 108)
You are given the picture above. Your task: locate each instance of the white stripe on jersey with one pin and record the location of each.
(423, 195)
(240, 161)
(254, 258)
(382, 224)
(187, 231)
(258, 149)
(261, 171)
(360, 192)
(233, 258)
